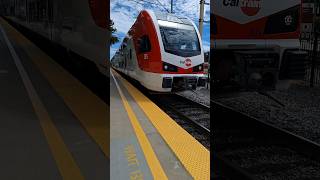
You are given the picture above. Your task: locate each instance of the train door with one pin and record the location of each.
(144, 50)
(125, 55)
(125, 60)
(214, 25)
(50, 6)
(130, 59)
(130, 55)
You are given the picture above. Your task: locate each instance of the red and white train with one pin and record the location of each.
(163, 52)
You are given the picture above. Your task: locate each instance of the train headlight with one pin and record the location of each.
(198, 68)
(169, 67)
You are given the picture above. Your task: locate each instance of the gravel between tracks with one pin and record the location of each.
(265, 164)
(301, 114)
(201, 96)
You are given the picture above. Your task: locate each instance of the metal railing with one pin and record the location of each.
(311, 45)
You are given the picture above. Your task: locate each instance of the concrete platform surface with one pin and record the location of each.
(145, 143)
(43, 135)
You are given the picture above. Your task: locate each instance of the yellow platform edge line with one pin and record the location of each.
(152, 160)
(192, 154)
(66, 165)
(91, 111)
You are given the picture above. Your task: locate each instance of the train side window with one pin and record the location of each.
(145, 45)
(130, 54)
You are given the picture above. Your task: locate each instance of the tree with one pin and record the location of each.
(114, 39)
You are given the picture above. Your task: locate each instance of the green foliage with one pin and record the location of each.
(114, 39)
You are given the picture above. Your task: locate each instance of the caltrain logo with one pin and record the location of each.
(248, 7)
(188, 62)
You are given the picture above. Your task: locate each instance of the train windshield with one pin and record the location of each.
(181, 40)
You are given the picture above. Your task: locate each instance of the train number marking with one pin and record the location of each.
(145, 56)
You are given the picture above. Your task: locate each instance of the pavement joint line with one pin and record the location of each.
(152, 160)
(90, 111)
(192, 154)
(67, 166)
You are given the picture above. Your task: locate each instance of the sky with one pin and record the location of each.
(125, 12)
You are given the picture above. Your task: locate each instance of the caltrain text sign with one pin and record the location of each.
(186, 62)
(248, 7)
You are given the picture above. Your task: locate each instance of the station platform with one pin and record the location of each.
(145, 143)
(52, 127)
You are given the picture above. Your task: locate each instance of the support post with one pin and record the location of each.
(202, 2)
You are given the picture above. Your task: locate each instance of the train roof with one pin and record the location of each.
(172, 18)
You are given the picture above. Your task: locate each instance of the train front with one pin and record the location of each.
(181, 52)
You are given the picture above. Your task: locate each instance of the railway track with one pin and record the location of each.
(246, 148)
(192, 116)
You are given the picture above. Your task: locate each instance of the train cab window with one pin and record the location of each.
(144, 44)
(181, 40)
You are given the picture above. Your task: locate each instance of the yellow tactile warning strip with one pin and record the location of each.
(194, 157)
(66, 164)
(151, 158)
(91, 111)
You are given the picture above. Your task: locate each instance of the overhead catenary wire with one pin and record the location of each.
(163, 6)
(142, 2)
(157, 2)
